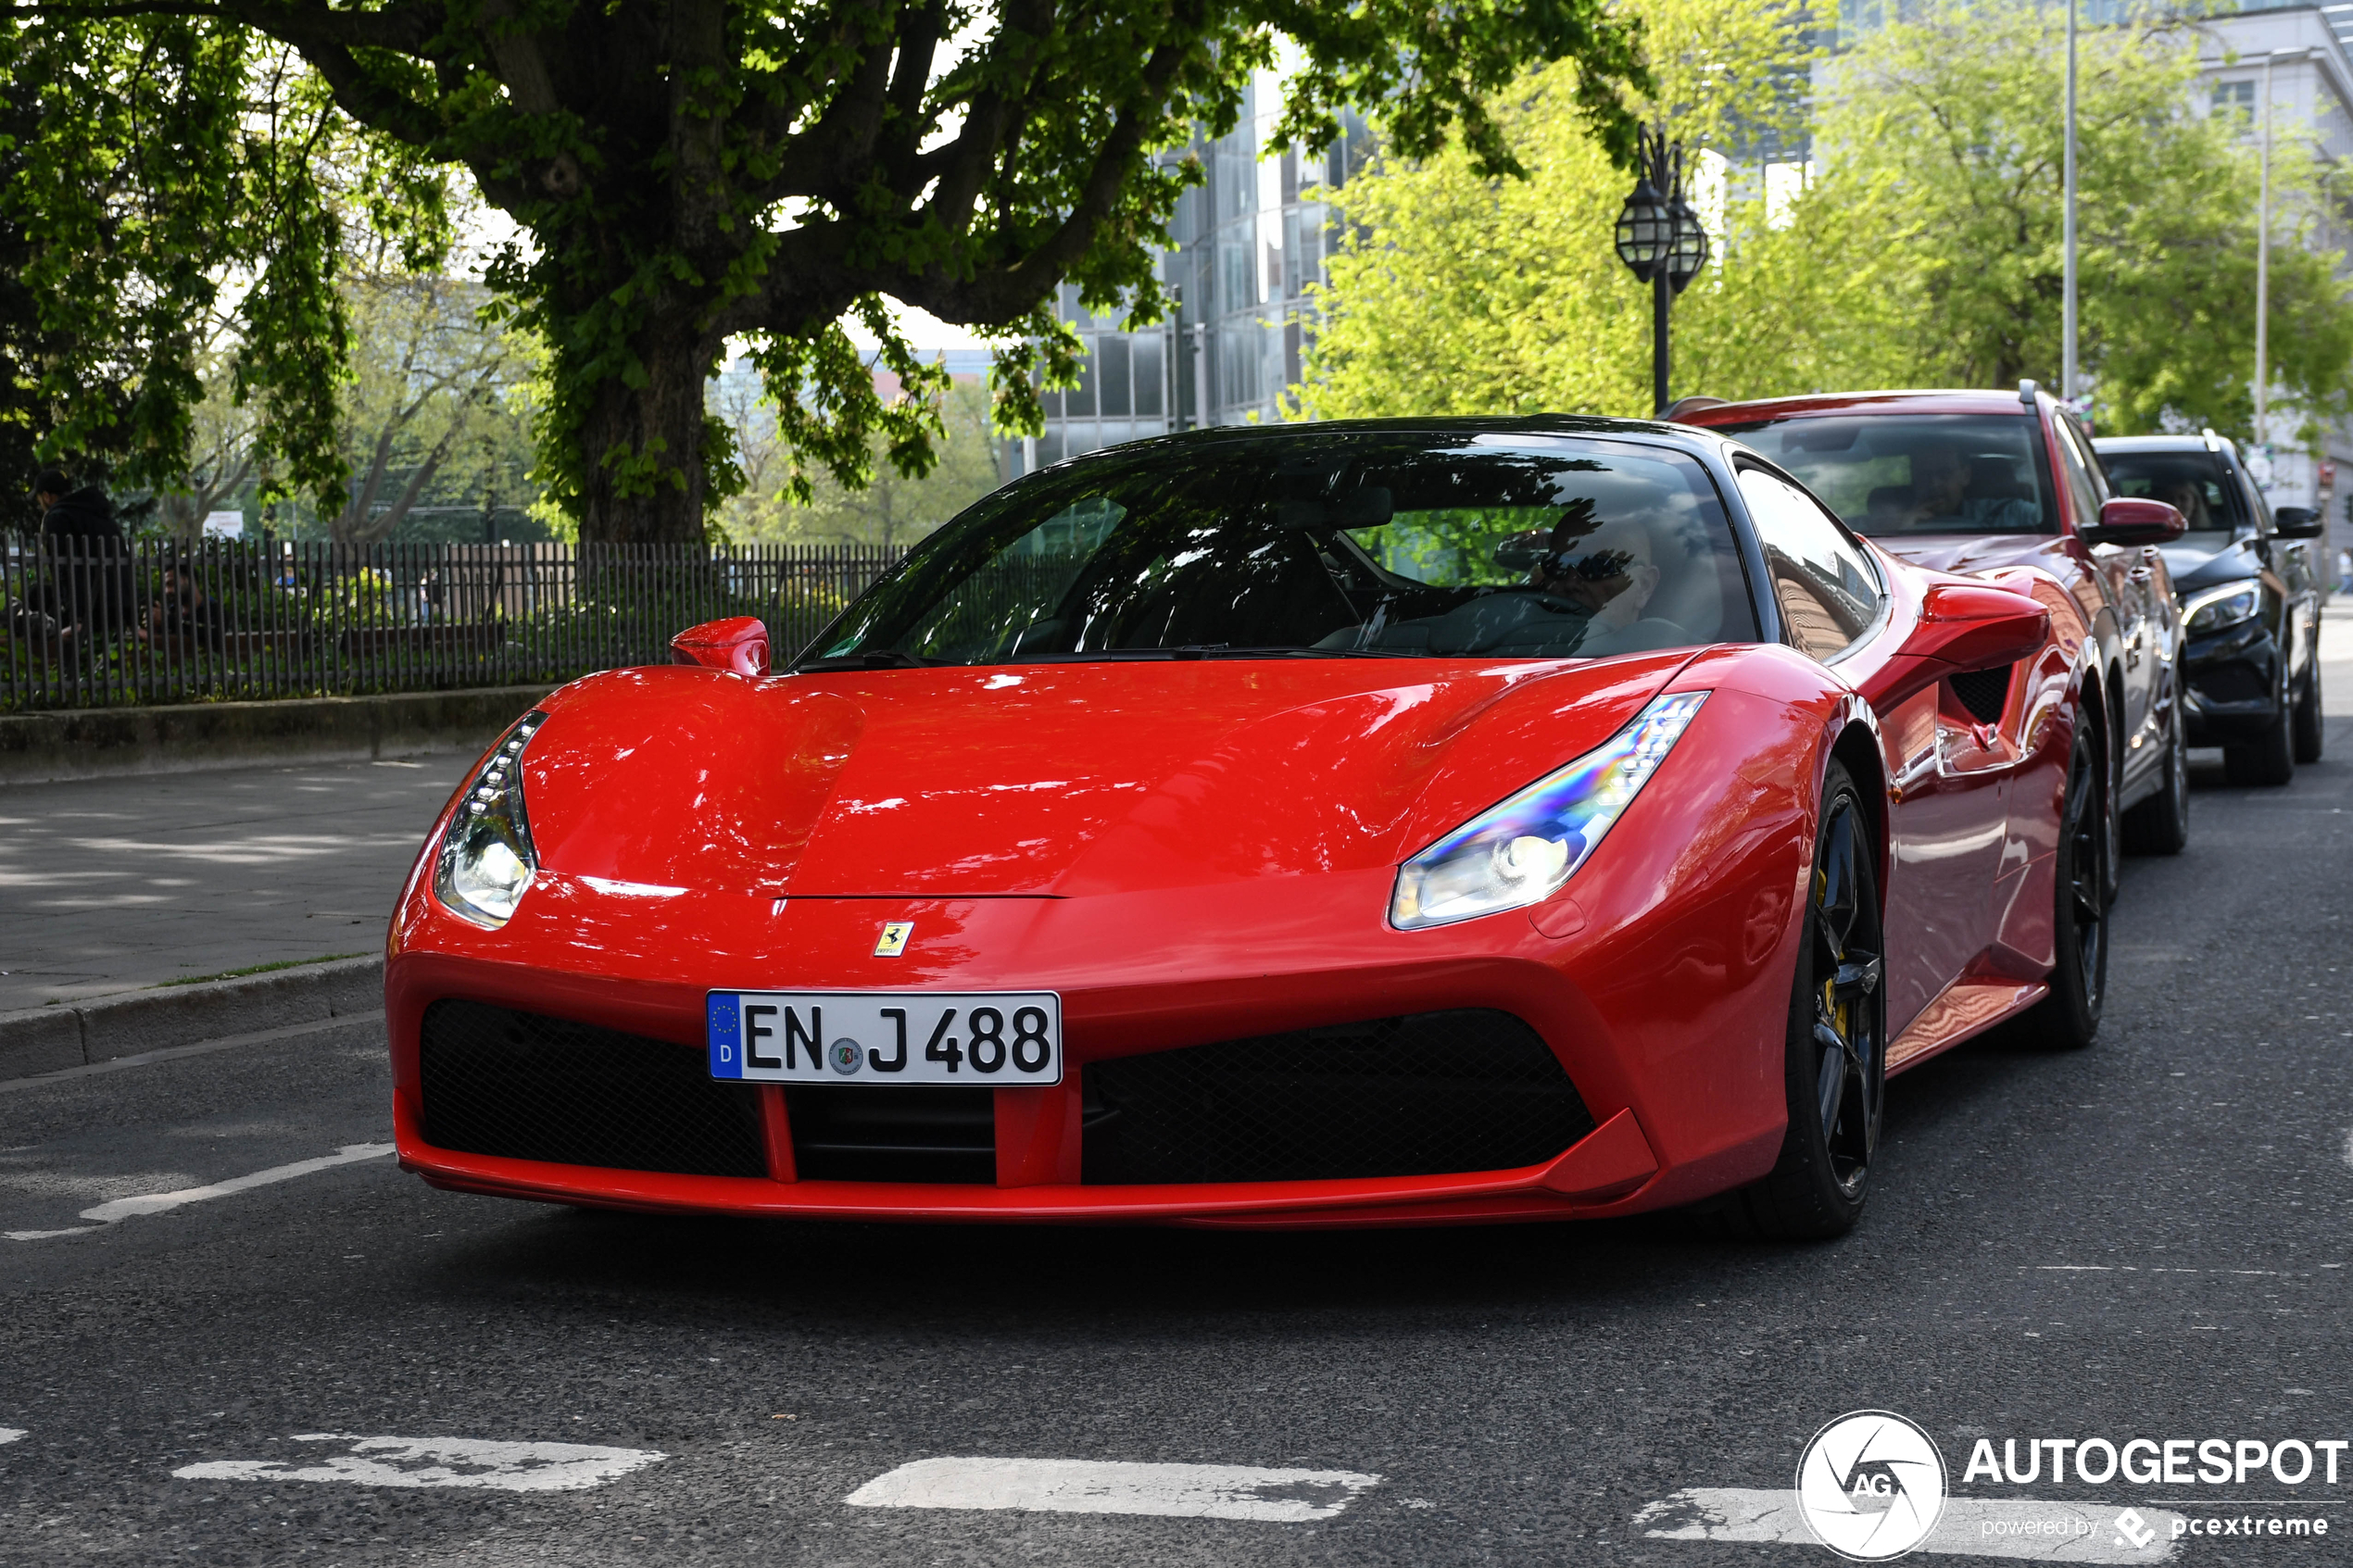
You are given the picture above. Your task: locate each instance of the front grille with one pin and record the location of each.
(2231, 683)
(909, 1135)
(527, 1086)
(1424, 1095)
(1983, 692)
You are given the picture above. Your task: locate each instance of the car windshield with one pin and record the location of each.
(2194, 482)
(1918, 473)
(1329, 543)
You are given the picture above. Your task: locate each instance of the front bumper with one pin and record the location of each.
(1682, 1082)
(2232, 684)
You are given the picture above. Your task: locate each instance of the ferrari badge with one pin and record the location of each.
(893, 940)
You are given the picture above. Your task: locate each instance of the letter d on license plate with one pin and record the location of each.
(983, 1039)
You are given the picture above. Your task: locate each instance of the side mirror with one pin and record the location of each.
(2298, 523)
(2132, 520)
(1963, 626)
(1972, 627)
(739, 643)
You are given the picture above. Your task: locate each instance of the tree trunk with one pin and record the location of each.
(643, 445)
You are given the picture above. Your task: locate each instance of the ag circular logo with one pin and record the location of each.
(1871, 1486)
(844, 1055)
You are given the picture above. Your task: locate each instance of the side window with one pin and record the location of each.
(1825, 584)
(2083, 486)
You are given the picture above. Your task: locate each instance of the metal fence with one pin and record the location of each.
(162, 622)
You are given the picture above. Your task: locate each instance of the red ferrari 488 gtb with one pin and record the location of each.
(1351, 824)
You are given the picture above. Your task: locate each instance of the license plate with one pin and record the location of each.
(989, 1040)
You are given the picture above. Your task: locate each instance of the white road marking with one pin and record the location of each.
(10, 1433)
(2021, 1527)
(106, 1214)
(440, 1461)
(1078, 1485)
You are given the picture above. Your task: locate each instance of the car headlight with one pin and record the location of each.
(1521, 851)
(2226, 606)
(486, 859)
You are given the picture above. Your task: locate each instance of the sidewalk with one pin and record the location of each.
(113, 884)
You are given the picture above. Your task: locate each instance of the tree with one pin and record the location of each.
(1951, 116)
(167, 208)
(894, 509)
(1456, 292)
(690, 172)
(427, 380)
(1923, 249)
(222, 453)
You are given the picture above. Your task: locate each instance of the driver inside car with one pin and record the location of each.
(1941, 478)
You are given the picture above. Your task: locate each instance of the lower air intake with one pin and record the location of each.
(1428, 1093)
(894, 1135)
(527, 1086)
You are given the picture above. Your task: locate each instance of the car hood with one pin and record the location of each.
(1047, 780)
(1976, 552)
(2194, 567)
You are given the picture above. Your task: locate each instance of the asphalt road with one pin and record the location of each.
(2148, 1239)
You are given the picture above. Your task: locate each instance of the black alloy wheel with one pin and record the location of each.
(2160, 825)
(2308, 713)
(2268, 760)
(2069, 1018)
(1837, 1041)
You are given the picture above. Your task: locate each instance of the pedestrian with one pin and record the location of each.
(2345, 571)
(90, 581)
(186, 615)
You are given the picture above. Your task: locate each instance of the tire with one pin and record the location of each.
(2307, 714)
(2069, 1018)
(1836, 1045)
(2160, 825)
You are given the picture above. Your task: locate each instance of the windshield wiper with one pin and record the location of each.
(877, 658)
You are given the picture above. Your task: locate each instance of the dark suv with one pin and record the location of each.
(2250, 598)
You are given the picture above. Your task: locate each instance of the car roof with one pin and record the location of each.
(1951, 400)
(2160, 443)
(1657, 431)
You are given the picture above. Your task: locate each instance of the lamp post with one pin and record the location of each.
(1660, 239)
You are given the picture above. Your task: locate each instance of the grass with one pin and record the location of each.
(254, 969)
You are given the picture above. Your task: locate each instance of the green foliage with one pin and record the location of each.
(1458, 293)
(893, 508)
(165, 205)
(689, 172)
(1923, 250)
(1951, 116)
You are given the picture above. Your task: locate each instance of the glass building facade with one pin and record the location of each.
(1249, 242)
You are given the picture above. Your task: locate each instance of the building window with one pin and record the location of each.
(2235, 98)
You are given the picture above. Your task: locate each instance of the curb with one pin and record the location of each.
(95, 743)
(48, 1039)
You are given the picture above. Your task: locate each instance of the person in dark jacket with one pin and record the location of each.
(90, 586)
(185, 618)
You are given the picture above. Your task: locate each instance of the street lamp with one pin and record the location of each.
(1660, 239)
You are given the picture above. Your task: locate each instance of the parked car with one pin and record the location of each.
(1358, 822)
(2249, 586)
(1983, 482)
